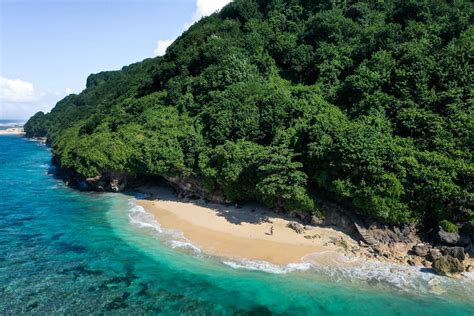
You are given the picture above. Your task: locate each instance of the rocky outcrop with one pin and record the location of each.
(448, 265)
(335, 215)
(108, 181)
(453, 239)
(421, 250)
(297, 227)
(434, 254)
(456, 252)
(190, 187)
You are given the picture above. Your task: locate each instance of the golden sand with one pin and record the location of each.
(240, 233)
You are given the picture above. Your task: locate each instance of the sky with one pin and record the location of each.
(49, 47)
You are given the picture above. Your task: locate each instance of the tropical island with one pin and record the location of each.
(357, 115)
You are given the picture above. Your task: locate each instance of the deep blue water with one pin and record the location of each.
(67, 252)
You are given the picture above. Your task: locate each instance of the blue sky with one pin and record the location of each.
(49, 47)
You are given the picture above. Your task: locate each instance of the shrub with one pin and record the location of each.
(448, 226)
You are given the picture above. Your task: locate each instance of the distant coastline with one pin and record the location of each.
(13, 131)
(12, 127)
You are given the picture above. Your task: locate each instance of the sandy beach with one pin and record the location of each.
(241, 232)
(12, 131)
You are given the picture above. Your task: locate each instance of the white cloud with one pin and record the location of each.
(16, 90)
(208, 7)
(20, 100)
(161, 47)
(203, 8)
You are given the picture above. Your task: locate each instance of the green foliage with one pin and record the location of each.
(370, 101)
(281, 181)
(36, 126)
(448, 226)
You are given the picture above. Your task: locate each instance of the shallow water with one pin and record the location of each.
(63, 251)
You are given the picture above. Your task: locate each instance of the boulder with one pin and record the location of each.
(453, 239)
(297, 227)
(434, 254)
(447, 238)
(421, 250)
(456, 252)
(470, 268)
(448, 265)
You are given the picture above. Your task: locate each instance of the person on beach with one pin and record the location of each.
(271, 230)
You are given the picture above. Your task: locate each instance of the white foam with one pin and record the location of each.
(184, 244)
(268, 267)
(468, 275)
(357, 271)
(175, 239)
(139, 217)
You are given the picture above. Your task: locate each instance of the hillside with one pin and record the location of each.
(370, 103)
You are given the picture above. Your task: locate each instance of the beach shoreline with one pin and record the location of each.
(244, 232)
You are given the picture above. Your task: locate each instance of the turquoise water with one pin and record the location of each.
(63, 252)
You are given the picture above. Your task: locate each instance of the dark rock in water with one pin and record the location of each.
(421, 250)
(434, 254)
(297, 227)
(456, 252)
(453, 239)
(448, 265)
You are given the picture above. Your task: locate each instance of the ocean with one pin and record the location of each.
(5, 124)
(68, 252)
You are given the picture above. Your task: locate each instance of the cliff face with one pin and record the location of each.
(369, 103)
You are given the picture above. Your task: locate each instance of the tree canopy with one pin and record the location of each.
(370, 102)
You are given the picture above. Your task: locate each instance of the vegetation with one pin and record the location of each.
(368, 101)
(448, 226)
